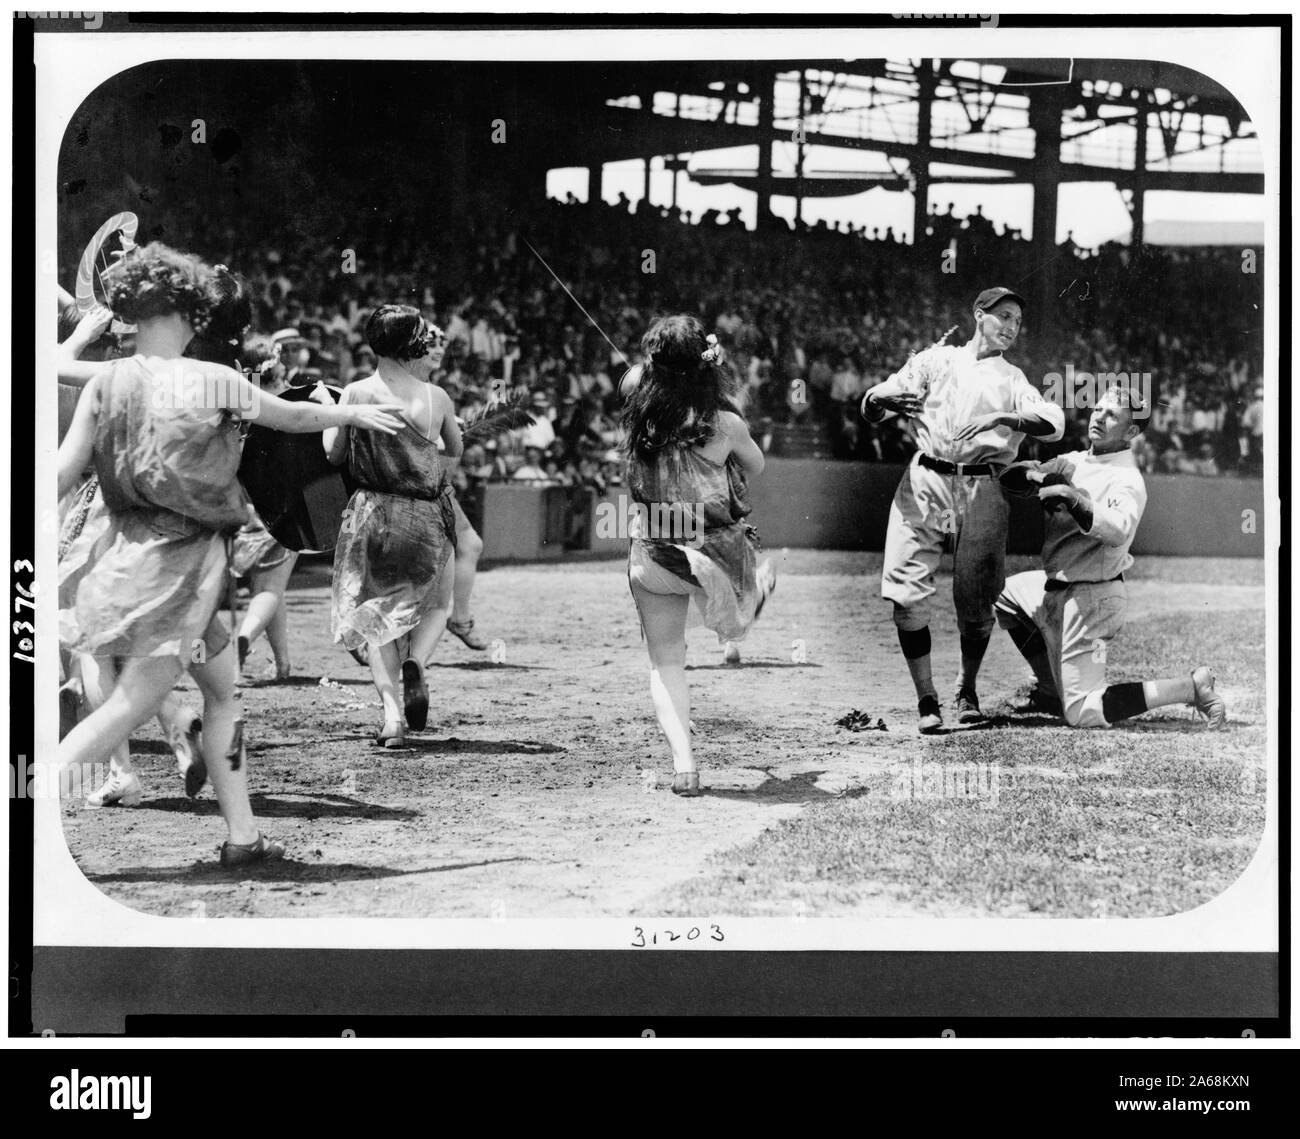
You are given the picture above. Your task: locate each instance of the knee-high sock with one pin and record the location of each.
(974, 642)
(915, 644)
(1120, 701)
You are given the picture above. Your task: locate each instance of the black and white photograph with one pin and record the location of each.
(653, 488)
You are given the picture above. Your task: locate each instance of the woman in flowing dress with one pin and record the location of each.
(689, 456)
(399, 530)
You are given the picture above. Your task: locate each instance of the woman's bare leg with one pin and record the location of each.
(427, 634)
(469, 547)
(98, 676)
(216, 680)
(663, 619)
(266, 611)
(139, 692)
(386, 668)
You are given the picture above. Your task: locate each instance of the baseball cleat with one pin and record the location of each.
(189, 756)
(465, 631)
(931, 716)
(415, 694)
(968, 707)
(118, 791)
(1205, 700)
(1040, 701)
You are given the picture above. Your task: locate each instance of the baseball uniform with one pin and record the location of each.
(968, 505)
(1077, 600)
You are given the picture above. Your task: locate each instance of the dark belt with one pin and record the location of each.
(1055, 585)
(444, 489)
(946, 468)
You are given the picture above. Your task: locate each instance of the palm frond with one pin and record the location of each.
(492, 419)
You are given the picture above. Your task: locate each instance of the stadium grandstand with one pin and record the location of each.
(331, 190)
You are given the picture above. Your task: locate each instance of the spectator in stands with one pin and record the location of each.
(532, 469)
(1205, 462)
(769, 299)
(1251, 435)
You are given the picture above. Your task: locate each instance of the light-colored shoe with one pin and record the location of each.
(731, 653)
(118, 791)
(1205, 700)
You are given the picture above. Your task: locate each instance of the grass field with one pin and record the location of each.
(539, 788)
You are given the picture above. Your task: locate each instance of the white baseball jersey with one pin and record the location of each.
(958, 388)
(1119, 496)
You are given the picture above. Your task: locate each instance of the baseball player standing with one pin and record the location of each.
(1063, 617)
(972, 409)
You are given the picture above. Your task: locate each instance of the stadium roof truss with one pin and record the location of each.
(934, 121)
(905, 125)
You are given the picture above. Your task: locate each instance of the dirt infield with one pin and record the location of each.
(539, 789)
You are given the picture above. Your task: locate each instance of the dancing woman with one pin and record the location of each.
(689, 454)
(399, 529)
(257, 553)
(163, 435)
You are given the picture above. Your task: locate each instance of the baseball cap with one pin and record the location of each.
(989, 297)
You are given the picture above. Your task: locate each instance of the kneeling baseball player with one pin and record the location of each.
(1063, 617)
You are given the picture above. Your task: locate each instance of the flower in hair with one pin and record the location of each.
(713, 353)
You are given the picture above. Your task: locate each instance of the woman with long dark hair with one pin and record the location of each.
(689, 454)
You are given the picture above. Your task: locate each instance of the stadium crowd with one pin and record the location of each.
(808, 321)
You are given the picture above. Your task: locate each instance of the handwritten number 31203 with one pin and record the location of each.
(669, 936)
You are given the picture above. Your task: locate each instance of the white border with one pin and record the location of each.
(69, 911)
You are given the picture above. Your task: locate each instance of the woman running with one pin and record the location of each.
(688, 456)
(162, 432)
(399, 529)
(88, 680)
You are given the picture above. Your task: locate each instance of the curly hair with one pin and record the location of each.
(219, 336)
(260, 355)
(681, 390)
(156, 280)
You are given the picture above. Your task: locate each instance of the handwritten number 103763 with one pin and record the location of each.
(27, 598)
